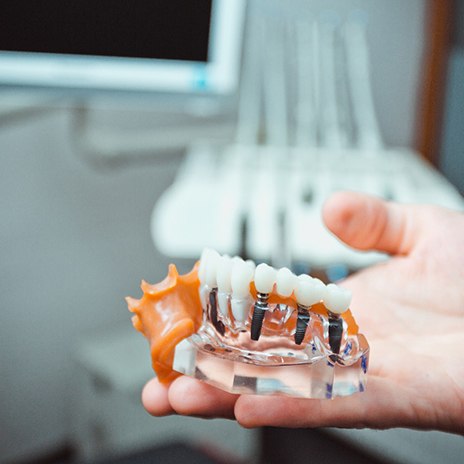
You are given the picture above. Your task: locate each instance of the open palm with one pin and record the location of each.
(411, 308)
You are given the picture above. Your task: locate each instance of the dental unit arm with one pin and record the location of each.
(248, 329)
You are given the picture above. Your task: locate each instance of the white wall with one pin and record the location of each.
(396, 38)
(74, 242)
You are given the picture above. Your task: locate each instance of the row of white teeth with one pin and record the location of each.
(234, 276)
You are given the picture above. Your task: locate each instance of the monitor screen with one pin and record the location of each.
(161, 45)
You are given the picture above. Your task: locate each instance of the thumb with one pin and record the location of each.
(369, 223)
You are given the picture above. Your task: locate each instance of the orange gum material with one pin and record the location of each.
(170, 311)
(167, 313)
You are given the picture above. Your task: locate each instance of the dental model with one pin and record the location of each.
(253, 329)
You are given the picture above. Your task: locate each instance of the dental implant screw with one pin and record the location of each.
(335, 332)
(259, 310)
(302, 323)
(213, 304)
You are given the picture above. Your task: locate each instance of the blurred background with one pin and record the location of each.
(134, 134)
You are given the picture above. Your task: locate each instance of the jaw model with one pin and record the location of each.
(248, 329)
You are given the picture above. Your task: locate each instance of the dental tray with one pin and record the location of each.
(252, 329)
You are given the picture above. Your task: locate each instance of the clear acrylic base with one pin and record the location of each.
(318, 374)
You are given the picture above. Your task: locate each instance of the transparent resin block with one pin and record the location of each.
(223, 354)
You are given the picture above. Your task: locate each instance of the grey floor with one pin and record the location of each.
(295, 446)
(278, 446)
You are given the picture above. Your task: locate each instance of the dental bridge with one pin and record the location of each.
(253, 329)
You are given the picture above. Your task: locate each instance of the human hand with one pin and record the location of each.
(411, 309)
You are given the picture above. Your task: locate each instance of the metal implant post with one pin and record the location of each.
(259, 310)
(335, 332)
(337, 301)
(213, 313)
(302, 323)
(265, 277)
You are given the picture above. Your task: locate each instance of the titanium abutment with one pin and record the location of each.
(302, 323)
(265, 279)
(335, 332)
(337, 301)
(213, 310)
(259, 311)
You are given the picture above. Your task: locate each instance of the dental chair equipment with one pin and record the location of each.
(261, 196)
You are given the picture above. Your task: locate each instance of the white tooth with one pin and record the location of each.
(204, 294)
(320, 287)
(337, 299)
(309, 291)
(286, 281)
(251, 263)
(223, 303)
(240, 309)
(305, 277)
(265, 277)
(240, 278)
(212, 261)
(202, 267)
(224, 271)
(207, 255)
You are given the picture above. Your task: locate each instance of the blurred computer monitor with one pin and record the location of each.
(168, 46)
